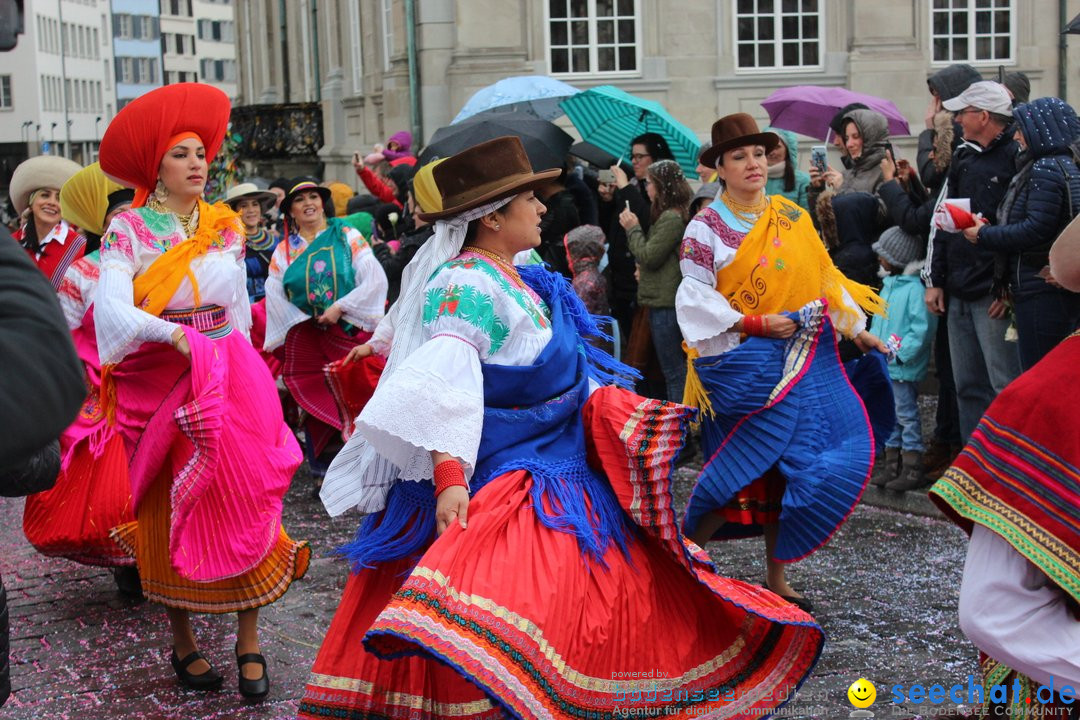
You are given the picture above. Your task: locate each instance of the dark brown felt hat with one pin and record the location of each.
(733, 131)
(489, 171)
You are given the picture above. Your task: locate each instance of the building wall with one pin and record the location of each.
(215, 34)
(60, 97)
(687, 59)
(179, 58)
(129, 50)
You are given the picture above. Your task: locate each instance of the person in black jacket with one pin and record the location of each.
(1042, 199)
(42, 386)
(561, 217)
(626, 193)
(983, 362)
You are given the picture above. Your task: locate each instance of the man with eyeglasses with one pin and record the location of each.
(983, 362)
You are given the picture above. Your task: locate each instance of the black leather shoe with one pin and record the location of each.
(209, 680)
(253, 689)
(128, 583)
(802, 603)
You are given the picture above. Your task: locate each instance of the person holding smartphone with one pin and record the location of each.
(626, 192)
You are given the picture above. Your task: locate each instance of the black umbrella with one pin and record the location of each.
(597, 157)
(1073, 27)
(545, 143)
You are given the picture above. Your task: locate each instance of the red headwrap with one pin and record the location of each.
(144, 130)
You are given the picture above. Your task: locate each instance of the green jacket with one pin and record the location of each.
(657, 257)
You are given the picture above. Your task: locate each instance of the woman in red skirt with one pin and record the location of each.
(522, 557)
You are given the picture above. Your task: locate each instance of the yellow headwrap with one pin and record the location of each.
(425, 191)
(84, 198)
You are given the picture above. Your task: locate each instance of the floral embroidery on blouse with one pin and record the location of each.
(727, 235)
(697, 252)
(526, 299)
(114, 242)
(469, 304)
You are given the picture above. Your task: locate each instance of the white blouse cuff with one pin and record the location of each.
(448, 421)
(281, 315)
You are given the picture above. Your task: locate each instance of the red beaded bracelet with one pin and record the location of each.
(449, 473)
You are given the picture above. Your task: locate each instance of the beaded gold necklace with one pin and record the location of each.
(748, 213)
(500, 262)
(189, 222)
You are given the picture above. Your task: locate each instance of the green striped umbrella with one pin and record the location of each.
(610, 118)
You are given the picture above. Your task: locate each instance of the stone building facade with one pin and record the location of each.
(700, 58)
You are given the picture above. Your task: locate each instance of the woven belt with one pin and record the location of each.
(208, 319)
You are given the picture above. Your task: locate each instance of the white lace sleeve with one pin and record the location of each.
(281, 315)
(705, 316)
(450, 420)
(122, 327)
(365, 304)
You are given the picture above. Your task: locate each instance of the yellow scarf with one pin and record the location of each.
(155, 288)
(780, 266)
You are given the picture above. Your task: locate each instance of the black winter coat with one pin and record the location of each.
(1044, 196)
(966, 271)
(42, 384)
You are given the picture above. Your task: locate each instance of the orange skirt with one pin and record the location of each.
(147, 540)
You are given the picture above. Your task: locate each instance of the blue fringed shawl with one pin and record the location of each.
(532, 421)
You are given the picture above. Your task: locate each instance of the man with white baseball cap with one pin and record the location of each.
(983, 362)
(983, 95)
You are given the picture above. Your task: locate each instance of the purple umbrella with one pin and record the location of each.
(807, 109)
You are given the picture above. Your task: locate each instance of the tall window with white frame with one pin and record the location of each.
(778, 34)
(6, 101)
(388, 32)
(589, 37)
(972, 31)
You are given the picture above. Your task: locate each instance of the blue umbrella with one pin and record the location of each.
(536, 95)
(610, 118)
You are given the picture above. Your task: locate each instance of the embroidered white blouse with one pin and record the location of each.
(704, 314)
(134, 240)
(363, 306)
(473, 314)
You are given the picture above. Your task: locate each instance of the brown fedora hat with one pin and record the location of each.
(491, 170)
(733, 131)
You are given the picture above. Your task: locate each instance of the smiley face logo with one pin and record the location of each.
(862, 693)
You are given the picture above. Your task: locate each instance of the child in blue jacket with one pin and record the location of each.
(909, 328)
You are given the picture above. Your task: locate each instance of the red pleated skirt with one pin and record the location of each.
(759, 503)
(92, 495)
(508, 616)
(309, 348)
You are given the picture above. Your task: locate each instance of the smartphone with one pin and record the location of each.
(818, 158)
(606, 176)
(891, 151)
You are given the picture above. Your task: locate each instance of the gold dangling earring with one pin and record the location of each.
(160, 191)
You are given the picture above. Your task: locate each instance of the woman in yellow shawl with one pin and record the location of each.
(788, 447)
(211, 456)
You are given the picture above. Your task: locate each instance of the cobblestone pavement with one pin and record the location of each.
(885, 588)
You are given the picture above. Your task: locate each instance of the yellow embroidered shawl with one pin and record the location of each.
(780, 266)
